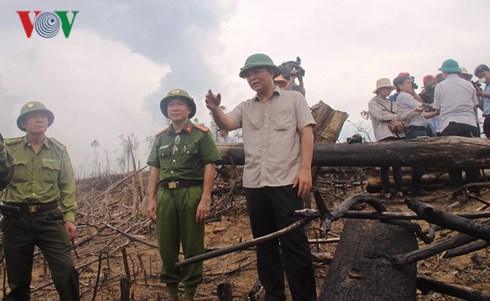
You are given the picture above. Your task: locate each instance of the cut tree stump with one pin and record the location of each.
(361, 268)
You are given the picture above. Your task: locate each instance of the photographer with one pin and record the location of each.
(427, 93)
(290, 71)
(388, 125)
(483, 73)
(417, 125)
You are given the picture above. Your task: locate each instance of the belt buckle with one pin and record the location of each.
(172, 185)
(33, 208)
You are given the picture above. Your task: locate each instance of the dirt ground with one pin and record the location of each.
(110, 222)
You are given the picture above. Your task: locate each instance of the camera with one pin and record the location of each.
(356, 138)
(428, 94)
(414, 85)
(288, 67)
(477, 85)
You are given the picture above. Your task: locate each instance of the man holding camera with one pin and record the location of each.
(483, 73)
(416, 127)
(290, 71)
(278, 143)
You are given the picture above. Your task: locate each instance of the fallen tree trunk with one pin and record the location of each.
(361, 268)
(451, 151)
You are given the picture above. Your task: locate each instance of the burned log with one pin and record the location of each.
(416, 255)
(426, 285)
(441, 152)
(245, 245)
(361, 268)
(450, 221)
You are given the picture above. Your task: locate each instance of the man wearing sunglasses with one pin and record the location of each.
(182, 162)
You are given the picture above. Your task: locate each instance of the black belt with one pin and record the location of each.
(417, 128)
(179, 184)
(33, 208)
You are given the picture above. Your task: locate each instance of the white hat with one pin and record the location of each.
(465, 74)
(383, 82)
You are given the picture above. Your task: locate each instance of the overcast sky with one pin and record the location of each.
(122, 57)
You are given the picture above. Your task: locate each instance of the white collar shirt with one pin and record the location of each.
(271, 138)
(456, 99)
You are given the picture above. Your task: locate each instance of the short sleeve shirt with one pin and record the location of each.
(271, 137)
(486, 102)
(43, 177)
(182, 156)
(406, 103)
(456, 99)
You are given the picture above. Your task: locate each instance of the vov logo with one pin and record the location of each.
(47, 24)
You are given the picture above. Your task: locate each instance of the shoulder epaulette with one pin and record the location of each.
(200, 127)
(57, 144)
(13, 141)
(164, 130)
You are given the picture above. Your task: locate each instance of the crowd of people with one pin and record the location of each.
(38, 201)
(446, 106)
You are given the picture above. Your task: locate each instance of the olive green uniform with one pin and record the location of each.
(5, 165)
(181, 159)
(39, 181)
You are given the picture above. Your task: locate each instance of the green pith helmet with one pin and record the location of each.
(450, 66)
(33, 106)
(181, 94)
(258, 60)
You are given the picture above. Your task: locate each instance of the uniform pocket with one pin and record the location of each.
(21, 172)
(164, 155)
(51, 169)
(190, 155)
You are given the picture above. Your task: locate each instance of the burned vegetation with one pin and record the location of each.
(364, 247)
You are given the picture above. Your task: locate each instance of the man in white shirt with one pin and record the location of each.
(455, 101)
(224, 137)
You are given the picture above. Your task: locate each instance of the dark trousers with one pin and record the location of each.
(472, 174)
(46, 230)
(271, 209)
(486, 127)
(397, 173)
(417, 172)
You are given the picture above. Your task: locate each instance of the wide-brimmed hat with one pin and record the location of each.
(465, 74)
(258, 60)
(33, 106)
(382, 83)
(180, 94)
(450, 66)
